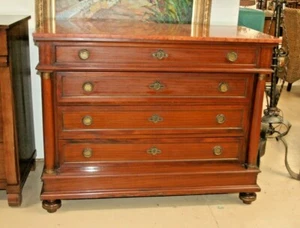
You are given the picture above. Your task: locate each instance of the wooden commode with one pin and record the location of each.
(146, 109)
(17, 145)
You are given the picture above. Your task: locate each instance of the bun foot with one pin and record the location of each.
(14, 200)
(247, 197)
(51, 205)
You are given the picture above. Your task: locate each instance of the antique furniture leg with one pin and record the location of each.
(51, 205)
(14, 199)
(247, 197)
(49, 147)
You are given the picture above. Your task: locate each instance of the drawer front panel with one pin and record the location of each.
(132, 85)
(3, 43)
(151, 117)
(152, 150)
(155, 56)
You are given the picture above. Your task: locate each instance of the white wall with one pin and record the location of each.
(223, 12)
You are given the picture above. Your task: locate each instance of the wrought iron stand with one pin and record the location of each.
(273, 124)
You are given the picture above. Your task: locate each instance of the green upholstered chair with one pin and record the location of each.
(251, 18)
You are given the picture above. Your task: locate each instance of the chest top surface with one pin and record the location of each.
(101, 30)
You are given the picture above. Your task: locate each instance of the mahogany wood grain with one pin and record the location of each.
(17, 150)
(135, 109)
(201, 149)
(134, 85)
(48, 122)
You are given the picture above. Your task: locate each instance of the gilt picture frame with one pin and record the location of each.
(64, 9)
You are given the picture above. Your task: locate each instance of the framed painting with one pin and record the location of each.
(160, 11)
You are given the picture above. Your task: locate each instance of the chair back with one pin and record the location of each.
(291, 43)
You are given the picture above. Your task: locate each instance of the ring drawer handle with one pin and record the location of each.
(88, 87)
(87, 120)
(223, 87)
(154, 151)
(156, 86)
(84, 54)
(220, 118)
(232, 56)
(160, 54)
(155, 118)
(87, 152)
(217, 150)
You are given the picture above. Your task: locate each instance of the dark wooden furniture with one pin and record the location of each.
(17, 147)
(142, 109)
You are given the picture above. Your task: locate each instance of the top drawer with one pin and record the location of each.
(153, 56)
(3, 43)
(3, 48)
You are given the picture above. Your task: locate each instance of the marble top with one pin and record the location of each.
(82, 29)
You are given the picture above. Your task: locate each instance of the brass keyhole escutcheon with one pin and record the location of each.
(155, 118)
(87, 152)
(232, 56)
(87, 120)
(218, 150)
(88, 87)
(84, 54)
(223, 87)
(220, 118)
(160, 54)
(154, 151)
(156, 86)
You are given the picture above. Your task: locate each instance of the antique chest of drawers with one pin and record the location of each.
(17, 146)
(144, 109)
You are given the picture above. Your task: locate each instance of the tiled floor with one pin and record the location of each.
(277, 205)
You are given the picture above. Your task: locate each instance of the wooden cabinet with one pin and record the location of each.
(17, 147)
(144, 109)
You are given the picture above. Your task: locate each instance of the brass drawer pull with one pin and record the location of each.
(84, 54)
(87, 120)
(87, 152)
(155, 118)
(88, 87)
(160, 54)
(154, 151)
(218, 150)
(223, 87)
(156, 86)
(220, 118)
(232, 56)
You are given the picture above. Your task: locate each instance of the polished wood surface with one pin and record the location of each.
(92, 30)
(17, 148)
(142, 109)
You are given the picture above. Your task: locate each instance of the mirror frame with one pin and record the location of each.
(45, 10)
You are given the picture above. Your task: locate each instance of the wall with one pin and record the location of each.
(223, 12)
